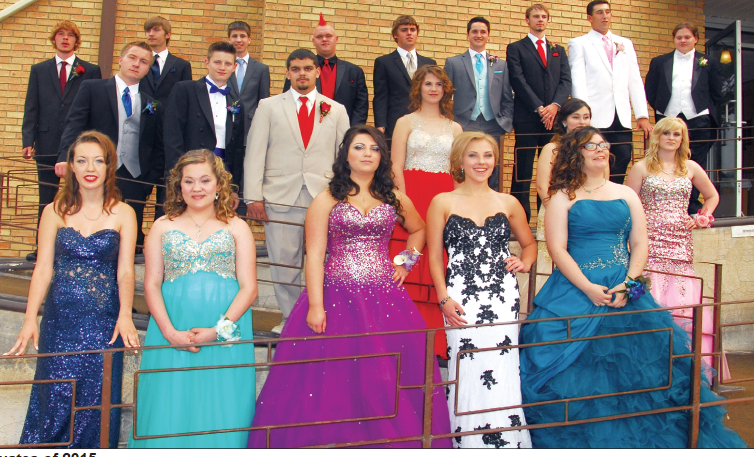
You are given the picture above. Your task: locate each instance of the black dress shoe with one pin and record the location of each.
(32, 257)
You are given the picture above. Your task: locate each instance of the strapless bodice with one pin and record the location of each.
(428, 152)
(182, 255)
(357, 244)
(666, 206)
(598, 233)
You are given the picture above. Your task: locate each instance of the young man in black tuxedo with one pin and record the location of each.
(339, 80)
(541, 78)
(687, 84)
(393, 73)
(53, 85)
(204, 114)
(133, 121)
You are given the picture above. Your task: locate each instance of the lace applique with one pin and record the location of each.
(620, 254)
(182, 255)
(428, 152)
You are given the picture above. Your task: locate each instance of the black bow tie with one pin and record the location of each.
(214, 89)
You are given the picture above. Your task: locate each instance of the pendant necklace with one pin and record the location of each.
(596, 188)
(199, 227)
(98, 216)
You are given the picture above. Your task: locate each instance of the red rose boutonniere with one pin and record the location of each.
(324, 110)
(78, 71)
(553, 46)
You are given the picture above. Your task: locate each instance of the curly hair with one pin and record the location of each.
(651, 158)
(567, 169)
(342, 186)
(568, 108)
(460, 143)
(174, 204)
(446, 104)
(68, 199)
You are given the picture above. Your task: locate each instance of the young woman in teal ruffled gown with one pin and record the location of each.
(200, 270)
(588, 224)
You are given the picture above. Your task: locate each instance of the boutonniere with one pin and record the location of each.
(703, 62)
(553, 46)
(151, 107)
(492, 59)
(619, 48)
(324, 110)
(78, 71)
(234, 108)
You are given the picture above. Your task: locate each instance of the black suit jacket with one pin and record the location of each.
(174, 71)
(189, 126)
(256, 86)
(46, 107)
(392, 86)
(350, 91)
(96, 108)
(533, 84)
(706, 83)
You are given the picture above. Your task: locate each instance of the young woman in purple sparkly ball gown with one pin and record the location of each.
(663, 180)
(352, 287)
(87, 238)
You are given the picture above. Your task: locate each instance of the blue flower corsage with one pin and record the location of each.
(151, 107)
(235, 107)
(636, 287)
(407, 258)
(227, 330)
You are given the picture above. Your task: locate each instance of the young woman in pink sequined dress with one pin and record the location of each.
(663, 180)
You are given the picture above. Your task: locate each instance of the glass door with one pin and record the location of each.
(725, 155)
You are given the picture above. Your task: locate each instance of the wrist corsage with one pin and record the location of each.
(407, 258)
(636, 287)
(704, 220)
(227, 330)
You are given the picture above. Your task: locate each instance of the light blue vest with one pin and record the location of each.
(482, 105)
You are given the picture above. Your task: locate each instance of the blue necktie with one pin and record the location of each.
(127, 102)
(241, 72)
(479, 64)
(156, 67)
(213, 89)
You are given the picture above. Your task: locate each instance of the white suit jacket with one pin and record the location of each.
(606, 89)
(276, 164)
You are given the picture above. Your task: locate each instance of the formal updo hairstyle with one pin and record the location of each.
(460, 143)
(68, 199)
(567, 169)
(415, 96)
(665, 125)
(568, 108)
(342, 186)
(174, 204)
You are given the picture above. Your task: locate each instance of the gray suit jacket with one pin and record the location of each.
(256, 86)
(461, 73)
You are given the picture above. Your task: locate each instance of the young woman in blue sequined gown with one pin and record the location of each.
(200, 267)
(589, 223)
(87, 238)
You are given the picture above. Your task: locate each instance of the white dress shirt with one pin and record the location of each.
(161, 61)
(311, 98)
(246, 61)
(219, 113)
(680, 95)
(133, 91)
(404, 57)
(534, 40)
(68, 68)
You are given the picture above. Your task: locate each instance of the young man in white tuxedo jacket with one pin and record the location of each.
(290, 150)
(605, 74)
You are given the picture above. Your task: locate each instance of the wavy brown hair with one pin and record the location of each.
(68, 199)
(567, 169)
(668, 124)
(174, 204)
(446, 104)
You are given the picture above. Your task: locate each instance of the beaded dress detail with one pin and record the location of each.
(428, 152)
(80, 313)
(359, 296)
(199, 286)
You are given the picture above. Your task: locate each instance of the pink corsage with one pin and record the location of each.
(619, 48)
(492, 59)
(407, 258)
(704, 220)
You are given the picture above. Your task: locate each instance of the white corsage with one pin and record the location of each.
(227, 330)
(407, 258)
(703, 62)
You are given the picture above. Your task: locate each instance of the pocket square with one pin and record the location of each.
(555, 54)
(172, 70)
(498, 71)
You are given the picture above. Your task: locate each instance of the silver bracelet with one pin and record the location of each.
(443, 301)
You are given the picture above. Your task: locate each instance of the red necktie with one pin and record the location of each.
(305, 124)
(541, 52)
(63, 78)
(326, 69)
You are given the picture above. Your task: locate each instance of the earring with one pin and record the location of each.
(564, 125)
(462, 172)
(217, 196)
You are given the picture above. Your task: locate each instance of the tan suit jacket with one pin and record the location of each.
(277, 164)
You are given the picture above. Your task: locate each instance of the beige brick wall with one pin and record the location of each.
(284, 25)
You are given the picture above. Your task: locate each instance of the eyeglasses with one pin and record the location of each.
(594, 146)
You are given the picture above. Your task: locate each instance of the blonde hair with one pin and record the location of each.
(174, 204)
(651, 158)
(460, 143)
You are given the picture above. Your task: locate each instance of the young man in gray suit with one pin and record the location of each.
(292, 145)
(483, 100)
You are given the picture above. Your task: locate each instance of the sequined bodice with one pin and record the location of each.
(428, 152)
(666, 207)
(182, 255)
(357, 245)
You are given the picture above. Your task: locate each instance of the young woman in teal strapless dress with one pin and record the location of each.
(200, 270)
(589, 223)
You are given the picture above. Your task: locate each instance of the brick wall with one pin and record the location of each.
(284, 25)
